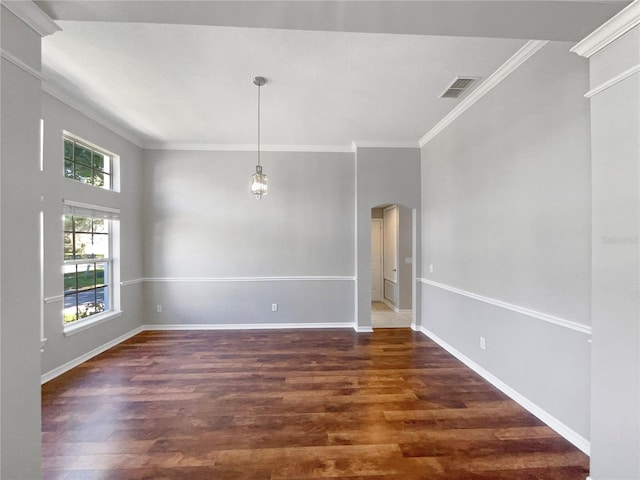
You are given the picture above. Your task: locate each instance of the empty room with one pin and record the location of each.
(320, 239)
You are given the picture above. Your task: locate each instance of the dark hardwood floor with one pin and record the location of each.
(290, 404)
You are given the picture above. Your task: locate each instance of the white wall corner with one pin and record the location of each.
(609, 31)
(33, 16)
(508, 67)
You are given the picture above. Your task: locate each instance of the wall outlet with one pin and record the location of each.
(274, 307)
(483, 344)
(430, 268)
(159, 308)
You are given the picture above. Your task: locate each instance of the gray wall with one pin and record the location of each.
(203, 227)
(58, 117)
(405, 240)
(506, 202)
(384, 176)
(615, 388)
(20, 183)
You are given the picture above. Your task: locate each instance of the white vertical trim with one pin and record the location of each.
(568, 433)
(609, 31)
(43, 339)
(356, 283)
(521, 56)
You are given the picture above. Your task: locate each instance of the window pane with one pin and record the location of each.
(100, 225)
(83, 246)
(82, 224)
(86, 276)
(100, 247)
(107, 181)
(102, 299)
(98, 160)
(68, 169)
(70, 279)
(68, 149)
(98, 178)
(70, 308)
(101, 269)
(88, 304)
(82, 155)
(84, 174)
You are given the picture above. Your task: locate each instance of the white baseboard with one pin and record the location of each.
(51, 374)
(415, 327)
(569, 434)
(364, 329)
(246, 326)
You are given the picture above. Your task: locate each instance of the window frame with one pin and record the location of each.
(113, 159)
(112, 264)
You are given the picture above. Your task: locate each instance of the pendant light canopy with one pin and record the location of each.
(259, 179)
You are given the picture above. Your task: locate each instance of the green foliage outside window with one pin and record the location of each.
(86, 165)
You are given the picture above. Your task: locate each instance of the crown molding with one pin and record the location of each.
(251, 147)
(30, 13)
(609, 31)
(21, 65)
(521, 56)
(382, 144)
(90, 112)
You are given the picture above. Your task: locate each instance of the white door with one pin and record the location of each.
(376, 259)
(390, 257)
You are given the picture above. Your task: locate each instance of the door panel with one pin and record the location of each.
(376, 260)
(391, 244)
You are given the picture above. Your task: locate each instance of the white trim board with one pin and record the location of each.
(90, 112)
(613, 81)
(382, 144)
(250, 147)
(20, 64)
(56, 372)
(609, 31)
(245, 279)
(521, 56)
(561, 322)
(33, 16)
(246, 326)
(569, 434)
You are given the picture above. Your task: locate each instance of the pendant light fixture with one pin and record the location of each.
(259, 179)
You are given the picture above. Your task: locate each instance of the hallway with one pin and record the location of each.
(382, 316)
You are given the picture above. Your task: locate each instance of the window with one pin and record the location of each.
(87, 164)
(88, 267)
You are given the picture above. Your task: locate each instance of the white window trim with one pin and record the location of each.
(71, 207)
(115, 161)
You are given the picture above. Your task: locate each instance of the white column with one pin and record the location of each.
(23, 24)
(614, 61)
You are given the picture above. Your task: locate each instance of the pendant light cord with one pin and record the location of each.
(258, 124)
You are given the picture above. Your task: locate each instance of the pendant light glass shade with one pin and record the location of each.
(259, 183)
(259, 179)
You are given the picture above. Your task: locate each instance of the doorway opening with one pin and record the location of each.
(391, 266)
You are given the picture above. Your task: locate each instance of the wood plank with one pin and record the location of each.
(290, 404)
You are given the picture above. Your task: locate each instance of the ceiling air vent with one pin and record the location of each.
(458, 87)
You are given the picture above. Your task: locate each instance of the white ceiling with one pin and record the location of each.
(174, 83)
